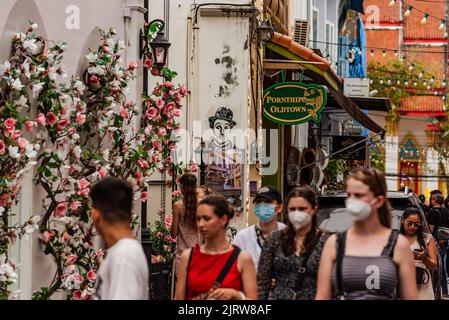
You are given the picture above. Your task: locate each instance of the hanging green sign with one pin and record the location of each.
(294, 102)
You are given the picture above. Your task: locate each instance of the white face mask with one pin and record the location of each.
(299, 219)
(358, 209)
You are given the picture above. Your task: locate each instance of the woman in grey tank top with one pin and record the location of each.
(369, 260)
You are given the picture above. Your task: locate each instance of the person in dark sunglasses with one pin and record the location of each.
(424, 251)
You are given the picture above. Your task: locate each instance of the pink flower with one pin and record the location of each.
(161, 132)
(156, 145)
(148, 63)
(169, 159)
(177, 113)
(178, 101)
(66, 237)
(124, 113)
(83, 183)
(71, 259)
(168, 84)
(99, 254)
(83, 186)
(172, 147)
(23, 143)
(168, 221)
(29, 126)
(144, 196)
(64, 110)
(182, 90)
(159, 235)
(102, 172)
(159, 103)
(94, 80)
(51, 119)
(170, 106)
(151, 113)
(165, 247)
(74, 205)
(91, 275)
(60, 210)
(9, 124)
(142, 163)
(13, 135)
(47, 236)
(155, 158)
(77, 278)
(132, 65)
(41, 119)
(193, 167)
(62, 124)
(80, 119)
(2, 147)
(138, 176)
(168, 238)
(77, 295)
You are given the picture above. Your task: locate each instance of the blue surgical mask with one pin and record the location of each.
(265, 211)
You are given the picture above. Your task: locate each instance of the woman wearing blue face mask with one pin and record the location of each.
(268, 204)
(291, 256)
(369, 261)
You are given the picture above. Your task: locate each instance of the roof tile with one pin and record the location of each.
(424, 104)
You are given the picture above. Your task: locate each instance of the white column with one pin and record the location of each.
(391, 162)
(432, 169)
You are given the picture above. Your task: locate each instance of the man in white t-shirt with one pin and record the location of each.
(123, 275)
(268, 204)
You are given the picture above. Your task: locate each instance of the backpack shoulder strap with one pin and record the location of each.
(389, 248)
(341, 242)
(227, 266)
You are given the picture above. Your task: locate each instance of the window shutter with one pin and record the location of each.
(301, 34)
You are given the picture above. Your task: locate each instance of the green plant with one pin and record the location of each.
(162, 244)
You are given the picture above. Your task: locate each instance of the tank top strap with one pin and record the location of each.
(389, 248)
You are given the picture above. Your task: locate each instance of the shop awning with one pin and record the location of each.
(321, 72)
(371, 103)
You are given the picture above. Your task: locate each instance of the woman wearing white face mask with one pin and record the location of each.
(291, 256)
(369, 261)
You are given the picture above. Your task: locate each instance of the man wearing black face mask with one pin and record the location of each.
(268, 204)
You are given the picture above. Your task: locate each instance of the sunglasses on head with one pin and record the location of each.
(411, 223)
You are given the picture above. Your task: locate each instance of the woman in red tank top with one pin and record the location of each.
(200, 266)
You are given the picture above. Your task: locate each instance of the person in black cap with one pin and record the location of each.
(268, 204)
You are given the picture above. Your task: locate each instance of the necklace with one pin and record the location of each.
(217, 252)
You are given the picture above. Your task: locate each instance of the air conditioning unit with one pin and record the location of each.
(301, 33)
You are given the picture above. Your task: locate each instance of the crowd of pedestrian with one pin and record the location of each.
(271, 260)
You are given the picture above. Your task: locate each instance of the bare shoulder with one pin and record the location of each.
(331, 240)
(402, 243)
(245, 256)
(185, 254)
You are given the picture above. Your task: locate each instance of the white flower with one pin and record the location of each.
(14, 152)
(63, 46)
(37, 88)
(112, 129)
(96, 70)
(121, 44)
(22, 102)
(110, 42)
(34, 26)
(30, 152)
(37, 147)
(92, 57)
(17, 84)
(79, 86)
(4, 67)
(63, 71)
(1, 211)
(30, 44)
(53, 73)
(77, 152)
(35, 219)
(29, 228)
(26, 69)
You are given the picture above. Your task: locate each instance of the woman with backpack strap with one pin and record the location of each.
(216, 270)
(291, 256)
(369, 261)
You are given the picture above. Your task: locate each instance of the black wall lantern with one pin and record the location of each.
(265, 32)
(159, 45)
